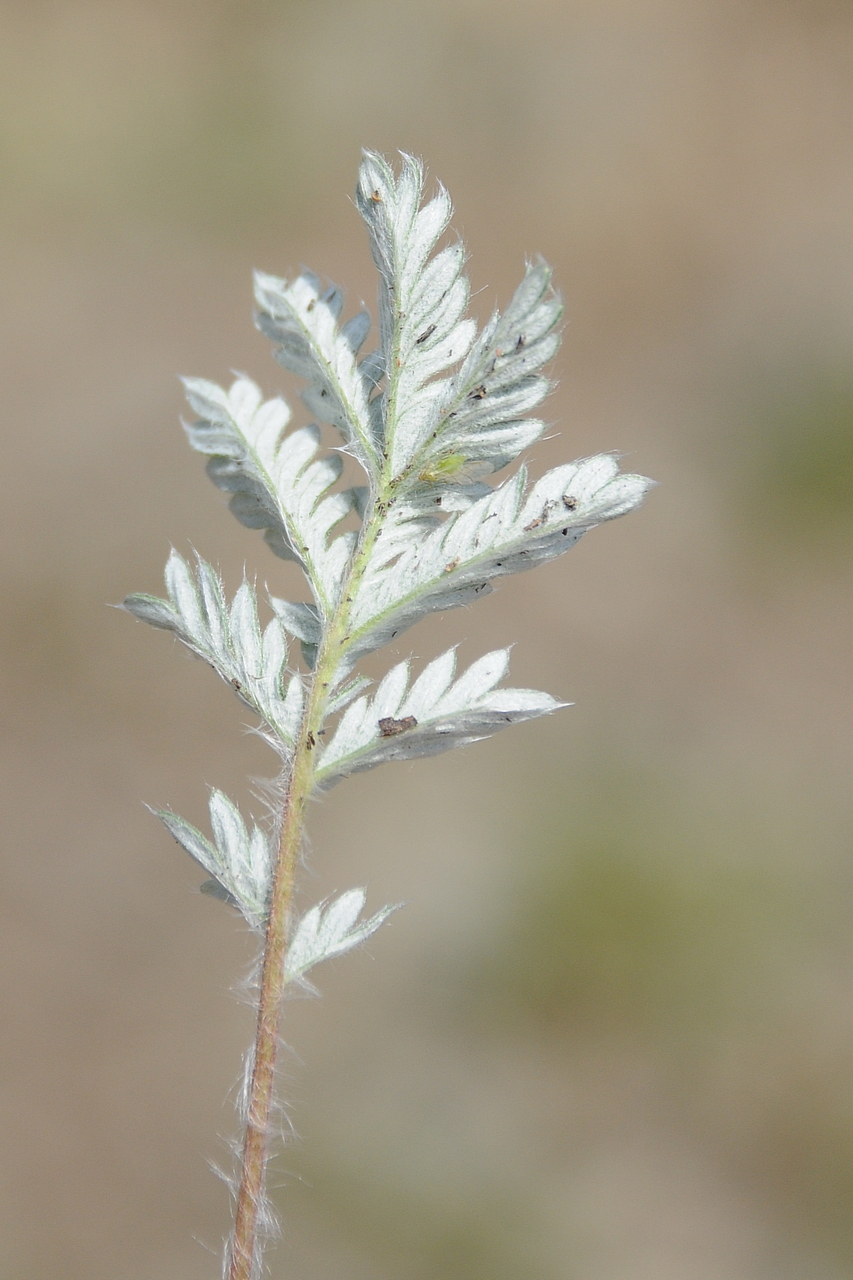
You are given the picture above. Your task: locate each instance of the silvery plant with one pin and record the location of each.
(429, 416)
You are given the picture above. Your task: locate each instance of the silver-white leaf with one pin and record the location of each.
(434, 427)
(418, 569)
(422, 303)
(302, 319)
(486, 414)
(429, 415)
(239, 860)
(278, 481)
(300, 620)
(230, 640)
(330, 929)
(432, 715)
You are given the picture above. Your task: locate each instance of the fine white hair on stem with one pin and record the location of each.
(431, 411)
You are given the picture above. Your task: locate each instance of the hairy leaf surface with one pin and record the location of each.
(435, 714)
(302, 319)
(278, 482)
(417, 570)
(422, 302)
(239, 860)
(330, 929)
(252, 661)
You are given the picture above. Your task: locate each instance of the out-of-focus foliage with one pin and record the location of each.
(626, 921)
(798, 447)
(640, 927)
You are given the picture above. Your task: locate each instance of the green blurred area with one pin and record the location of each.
(643, 926)
(639, 941)
(610, 1036)
(798, 483)
(625, 919)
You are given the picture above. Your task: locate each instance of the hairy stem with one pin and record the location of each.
(250, 1196)
(262, 1090)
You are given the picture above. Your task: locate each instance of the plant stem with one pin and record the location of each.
(262, 1090)
(244, 1243)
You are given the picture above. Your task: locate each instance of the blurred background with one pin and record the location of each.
(610, 1037)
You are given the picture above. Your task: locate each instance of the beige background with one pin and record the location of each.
(609, 1038)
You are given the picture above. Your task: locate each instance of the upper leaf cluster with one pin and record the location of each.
(428, 415)
(435, 423)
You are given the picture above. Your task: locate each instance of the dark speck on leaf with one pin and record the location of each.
(389, 727)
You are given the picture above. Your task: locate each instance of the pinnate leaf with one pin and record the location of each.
(252, 662)
(278, 482)
(418, 569)
(432, 715)
(331, 929)
(239, 860)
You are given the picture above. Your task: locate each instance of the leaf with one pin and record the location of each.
(230, 640)
(300, 620)
(235, 427)
(429, 415)
(344, 696)
(277, 481)
(485, 415)
(240, 861)
(422, 303)
(330, 930)
(480, 415)
(302, 319)
(417, 569)
(435, 714)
